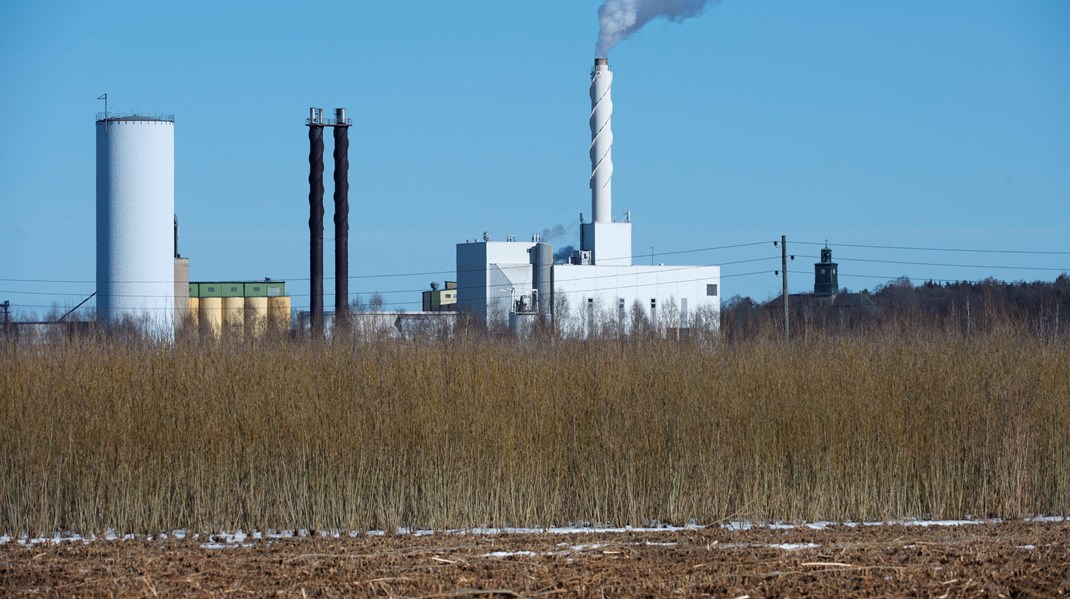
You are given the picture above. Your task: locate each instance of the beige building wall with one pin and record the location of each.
(181, 313)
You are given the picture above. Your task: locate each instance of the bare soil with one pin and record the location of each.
(1011, 559)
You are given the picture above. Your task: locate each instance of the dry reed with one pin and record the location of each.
(143, 437)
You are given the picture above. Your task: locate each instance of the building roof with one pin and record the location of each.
(113, 117)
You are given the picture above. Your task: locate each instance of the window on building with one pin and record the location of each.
(711, 289)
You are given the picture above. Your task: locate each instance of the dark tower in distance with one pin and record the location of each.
(826, 281)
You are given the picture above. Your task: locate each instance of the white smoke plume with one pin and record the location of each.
(619, 19)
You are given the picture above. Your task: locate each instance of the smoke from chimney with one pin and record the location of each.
(619, 19)
(555, 232)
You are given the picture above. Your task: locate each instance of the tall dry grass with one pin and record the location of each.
(143, 437)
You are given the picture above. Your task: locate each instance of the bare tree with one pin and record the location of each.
(375, 304)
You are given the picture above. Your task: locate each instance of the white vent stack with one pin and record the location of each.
(135, 219)
(602, 141)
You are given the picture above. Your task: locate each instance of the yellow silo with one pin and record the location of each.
(192, 315)
(234, 315)
(256, 316)
(210, 312)
(279, 313)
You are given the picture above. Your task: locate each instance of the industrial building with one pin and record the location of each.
(440, 300)
(508, 281)
(248, 308)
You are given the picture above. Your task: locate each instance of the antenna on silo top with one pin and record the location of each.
(105, 98)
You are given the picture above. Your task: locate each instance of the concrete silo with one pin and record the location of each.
(135, 219)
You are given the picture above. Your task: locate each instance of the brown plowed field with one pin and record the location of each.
(1004, 559)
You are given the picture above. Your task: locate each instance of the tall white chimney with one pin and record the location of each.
(602, 142)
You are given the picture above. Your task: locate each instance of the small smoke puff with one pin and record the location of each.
(619, 19)
(554, 233)
(563, 254)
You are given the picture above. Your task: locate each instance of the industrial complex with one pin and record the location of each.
(141, 275)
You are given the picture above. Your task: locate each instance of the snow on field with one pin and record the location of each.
(227, 540)
(821, 524)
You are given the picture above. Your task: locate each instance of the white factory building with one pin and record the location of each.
(502, 282)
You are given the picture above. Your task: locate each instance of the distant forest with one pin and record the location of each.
(966, 307)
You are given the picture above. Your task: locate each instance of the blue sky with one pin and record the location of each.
(908, 123)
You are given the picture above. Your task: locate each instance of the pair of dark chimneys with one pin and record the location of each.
(341, 124)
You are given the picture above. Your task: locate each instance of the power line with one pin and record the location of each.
(390, 275)
(893, 278)
(974, 250)
(598, 276)
(838, 259)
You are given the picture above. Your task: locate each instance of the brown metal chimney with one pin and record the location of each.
(341, 217)
(315, 219)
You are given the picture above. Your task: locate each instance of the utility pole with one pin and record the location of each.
(783, 271)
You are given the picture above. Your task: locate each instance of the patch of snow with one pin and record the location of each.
(784, 546)
(1046, 519)
(795, 546)
(224, 545)
(1027, 547)
(574, 530)
(914, 522)
(510, 554)
(822, 524)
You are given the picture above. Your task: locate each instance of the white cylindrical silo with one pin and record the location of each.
(135, 219)
(602, 142)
